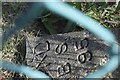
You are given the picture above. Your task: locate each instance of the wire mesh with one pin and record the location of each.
(73, 15)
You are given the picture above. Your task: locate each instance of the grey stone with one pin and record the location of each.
(69, 55)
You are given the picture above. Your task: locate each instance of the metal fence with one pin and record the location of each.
(73, 15)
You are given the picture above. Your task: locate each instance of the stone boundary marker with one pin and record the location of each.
(69, 55)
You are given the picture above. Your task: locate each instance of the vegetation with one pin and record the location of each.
(108, 14)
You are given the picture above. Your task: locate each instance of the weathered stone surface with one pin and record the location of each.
(66, 55)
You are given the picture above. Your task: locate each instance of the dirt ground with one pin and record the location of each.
(13, 51)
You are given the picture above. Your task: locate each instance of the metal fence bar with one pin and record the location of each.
(93, 26)
(23, 69)
(27, 17)
(83, 20)
(80, 18)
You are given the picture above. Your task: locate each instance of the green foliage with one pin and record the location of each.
(108, 14)
(105, 13)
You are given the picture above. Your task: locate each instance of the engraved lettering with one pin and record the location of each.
(82, 58)
(64, 69)
(41, 61)
(61, 48)
(40, 46)
(40, 55)
(67, 68)
(81, 44)
(85, 56)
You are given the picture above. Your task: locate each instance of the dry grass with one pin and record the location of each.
(11, 11)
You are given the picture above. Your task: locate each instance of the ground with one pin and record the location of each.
(108, 14)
